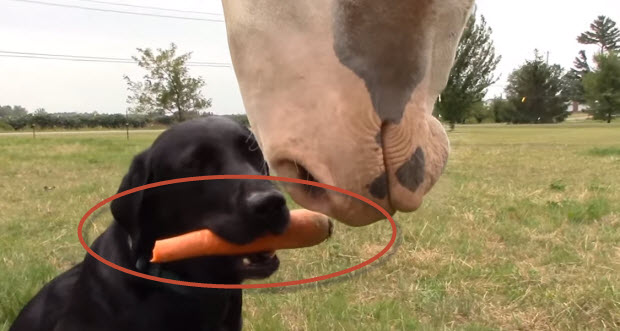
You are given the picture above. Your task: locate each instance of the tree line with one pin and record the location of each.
(18, 118)
(536, 92)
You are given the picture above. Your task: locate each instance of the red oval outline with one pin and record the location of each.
(238, 286)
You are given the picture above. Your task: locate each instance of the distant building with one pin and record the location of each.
(575, 107)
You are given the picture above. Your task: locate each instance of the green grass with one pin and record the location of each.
(609, 151)
(521, 232)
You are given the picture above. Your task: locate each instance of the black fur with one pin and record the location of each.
(93, 296)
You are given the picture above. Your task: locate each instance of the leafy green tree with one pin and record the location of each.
(602, 87)
(5, 111)
(472, 73)
(15, 111)
(20, 122)
(480, 112)
(42, 119)
(534, 90)
(502, 110)
(5, 126)
(604, 33)
(167, 87)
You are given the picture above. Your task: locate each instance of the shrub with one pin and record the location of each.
(4, 126)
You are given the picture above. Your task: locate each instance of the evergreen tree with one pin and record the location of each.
(471, 74)
(534, 90)
(602, 87)
(581, 65)
(573, 80)
(604, 33)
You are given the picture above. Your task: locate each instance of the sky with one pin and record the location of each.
(30, 26)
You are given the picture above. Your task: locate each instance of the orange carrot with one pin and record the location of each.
(307, 228)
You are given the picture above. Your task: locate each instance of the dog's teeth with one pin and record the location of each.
(246, 261)
(272, 253)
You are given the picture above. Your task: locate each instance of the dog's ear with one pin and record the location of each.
(127, 210)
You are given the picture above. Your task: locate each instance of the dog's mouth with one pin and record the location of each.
(223, 269)
(257, 265)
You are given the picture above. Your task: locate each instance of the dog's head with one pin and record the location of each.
(236, 210)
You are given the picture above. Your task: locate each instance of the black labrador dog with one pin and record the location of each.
(93, 296)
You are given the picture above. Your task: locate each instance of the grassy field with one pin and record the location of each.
(522, 232)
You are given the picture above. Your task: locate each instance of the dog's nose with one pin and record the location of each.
(269, 203)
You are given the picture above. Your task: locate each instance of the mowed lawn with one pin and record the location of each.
(521, 232)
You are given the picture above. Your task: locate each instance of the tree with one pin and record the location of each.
(602, 87)
(573, 86)
(604, 33)
(167, 87)
(20, 122)
(471, 74)
(534, 90)
(480, 112)
(580, 63)
(573, 80)
(15, 111)
(42, 119)
(502, 110)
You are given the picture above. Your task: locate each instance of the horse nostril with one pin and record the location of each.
(266, 203)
